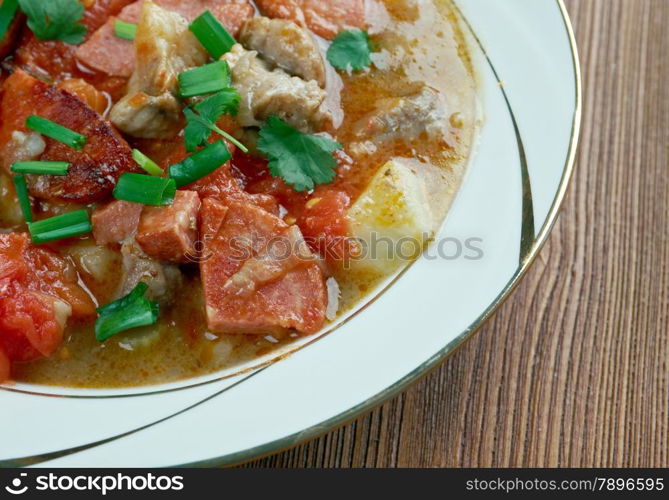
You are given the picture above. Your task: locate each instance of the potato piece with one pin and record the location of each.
(392, 219)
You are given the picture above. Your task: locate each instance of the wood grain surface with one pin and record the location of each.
(574, 369)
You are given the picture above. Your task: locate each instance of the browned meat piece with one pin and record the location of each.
(95, 99)
(285, 45)
(115, 56)
(419, 115)
(164, 47)
(94, 170)
(323, 17)
(115, 222)
(170, 233)
(265, 93)
(254, 280)
(163, 279)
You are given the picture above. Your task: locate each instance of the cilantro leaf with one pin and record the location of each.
(301, 160)
(55, 19)
(351, 50)
(201, 120)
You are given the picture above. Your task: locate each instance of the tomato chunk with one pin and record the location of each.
(39, 292)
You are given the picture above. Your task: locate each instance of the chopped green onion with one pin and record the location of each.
(145, 189)
(56, 132)
(126, 31)
(212, 34)
(200, 164)
(7, 13)
(61, 227)
(132, 311)
(206, 79)
(146, 163)
(41, 167)
(23, 196)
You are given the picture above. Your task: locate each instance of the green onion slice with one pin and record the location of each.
(7, 13)
(124, 30)
(41, 167)
(200, 164)
(132, 311)
(146, 163)
(23, 196)
(145, 189)
(206, 79)
(56, 132)
(212, 34)
(61, 227)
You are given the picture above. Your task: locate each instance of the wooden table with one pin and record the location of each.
(574, 369)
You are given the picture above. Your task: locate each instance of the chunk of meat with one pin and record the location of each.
(95, 99)
(107, 53)
(54, 58)
(116, 221)
(39, 292)
(93, 171)
(223, 185)
(257, 273)
(162, 279)
(421, 115)
(266, 92)
(8, 42)
(285, 45)
(164, 48)
(170, 233)
(323, 17)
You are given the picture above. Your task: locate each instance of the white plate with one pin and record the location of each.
(509, 199)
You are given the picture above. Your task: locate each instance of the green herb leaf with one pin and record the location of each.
(60, 227)
(351, 50)
(206, 79)
(56, 132)
(212, 34)
(124, 30)
(7, 14)
(132, 311)
(301, 160)
(200, 126)
(41, 167)
(145, 189)
(23, 196)
(200, 164)
(55, 19)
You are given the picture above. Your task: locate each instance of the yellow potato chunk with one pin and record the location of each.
(392, 219)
